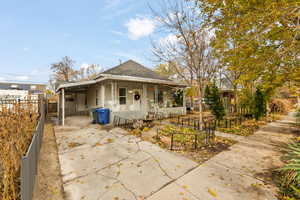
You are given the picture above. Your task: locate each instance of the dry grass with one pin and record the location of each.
(17, 125)
(49, 182)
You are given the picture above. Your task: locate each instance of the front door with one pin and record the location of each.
(137, 100)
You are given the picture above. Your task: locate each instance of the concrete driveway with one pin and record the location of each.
(99, 164)
(110, 165)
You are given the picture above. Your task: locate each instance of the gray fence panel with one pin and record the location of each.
(29, 162)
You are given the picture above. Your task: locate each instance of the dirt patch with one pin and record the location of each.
(49, 183)
(199, 155)
(204, 153)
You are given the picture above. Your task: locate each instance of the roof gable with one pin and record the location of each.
(134, 69)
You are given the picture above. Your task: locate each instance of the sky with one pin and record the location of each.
(36, 33)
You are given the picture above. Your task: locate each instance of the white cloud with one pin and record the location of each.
(22, 78)
(26, 49)
(169, 39)
(2, 79)
(140, 27)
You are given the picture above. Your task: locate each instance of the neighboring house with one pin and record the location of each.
(13, 90)
(129, 89)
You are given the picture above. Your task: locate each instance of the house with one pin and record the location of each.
(14, 90)
(129, 90)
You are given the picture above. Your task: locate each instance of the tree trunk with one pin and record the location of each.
(200, 108)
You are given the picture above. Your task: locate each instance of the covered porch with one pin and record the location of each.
(130, 99)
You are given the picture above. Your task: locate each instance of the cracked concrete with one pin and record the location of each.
(107, 165)
(112, 165)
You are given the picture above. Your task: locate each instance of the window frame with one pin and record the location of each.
(122, 96)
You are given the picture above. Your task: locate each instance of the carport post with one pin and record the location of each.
(63, 105)
(58, 106)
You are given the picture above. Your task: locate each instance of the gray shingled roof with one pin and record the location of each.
(132, 68)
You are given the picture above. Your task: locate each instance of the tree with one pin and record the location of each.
(213, 100)
(189, 50)
(260, 106)
(63, 70)
(258, 39)
(178, 96)
(88, 72)
(166, 70)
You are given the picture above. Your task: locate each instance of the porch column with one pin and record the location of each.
(183, 99)
(113, 93)
(145, 102)
(103, 95)
(63, 106)
(156, 94)
(116, 93)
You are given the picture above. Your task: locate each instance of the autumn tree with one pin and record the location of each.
(190, 52)
(88, 72)
(258, 39)
(63, 70)
(166, 69)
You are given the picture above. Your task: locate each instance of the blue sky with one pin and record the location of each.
(36, 33)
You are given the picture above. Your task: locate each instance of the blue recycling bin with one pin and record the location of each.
(103, 115)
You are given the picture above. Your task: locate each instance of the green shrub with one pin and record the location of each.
(298, 116)
(290, 181)
(213, 100)
(260, 106)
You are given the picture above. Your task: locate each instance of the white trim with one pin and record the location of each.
(120, 78)
(139, 79)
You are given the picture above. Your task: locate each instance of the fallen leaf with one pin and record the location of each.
(212, 192)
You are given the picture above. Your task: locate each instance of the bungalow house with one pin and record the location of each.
(129, 90)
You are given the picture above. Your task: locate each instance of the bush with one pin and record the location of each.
(213, 100)
(17, 125)
(280, 105)
(259, 106)
(298, 116)
(290, 180)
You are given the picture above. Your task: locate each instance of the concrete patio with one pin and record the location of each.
(111, 165)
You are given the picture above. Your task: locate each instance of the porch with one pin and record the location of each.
(130, 99)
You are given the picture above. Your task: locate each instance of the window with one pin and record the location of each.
(122, 96)
(160, 97)
(97, 100)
